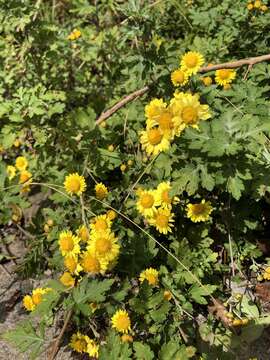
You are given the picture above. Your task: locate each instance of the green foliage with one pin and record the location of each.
(52, 90)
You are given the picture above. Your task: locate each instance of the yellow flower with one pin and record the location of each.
(266, 274)
(11, 171)
(28, 303)
(111, 215)
(191, 62)
(207, 80)
(179, 77)
(123, 167)
(163, 195)
(68, 243)
(37, 294)
(83, 233)
(91, 264)
(227, 87)
(263, 8)
(147, 202)
(67, 280)
(250, 6)
(121, 321)
(75, 184)
(21, 163)
(92, 348)
(151, 275)
(199, 212)
(17, 143)
(224, 76)
(126, 338)
(162, 220)
(24, 176)
(167, 295)
(101, 191)
(104, 245)
(188, 110)
(257, 4)
(78, 342)
(164, 123)
(155, 108)
(94, 306)
(154, 141)
(72, 264)
(100, 223)
(74, 35)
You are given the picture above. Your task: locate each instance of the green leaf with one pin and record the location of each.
(235, 186)
(25, 338)
(198, 293)
(115, 349)
(91, 290)
(142, 351)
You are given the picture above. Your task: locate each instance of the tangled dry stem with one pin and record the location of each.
(138, 93)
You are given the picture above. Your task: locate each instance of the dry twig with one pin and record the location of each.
(228, 65)
(56, 343)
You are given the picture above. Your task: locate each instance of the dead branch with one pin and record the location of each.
(228, 65)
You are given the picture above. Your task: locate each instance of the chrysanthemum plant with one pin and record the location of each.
(152, 218)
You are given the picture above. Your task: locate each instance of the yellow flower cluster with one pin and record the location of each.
(74, 35)
(83, 344)
(256, 5)
(190, 64)
(199, 212)
(164, 122)
(156, 205)
(25, 176)
(94, 252)
(30, 302)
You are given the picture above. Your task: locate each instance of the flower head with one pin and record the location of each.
(111, 215)
(75, 184)
(72, 264)
(31, 301)
(266, 274)
(126, 338)
(163, 195)
(92, 348)
(147, 202)
(101, 191)
(155, 108)
(100, 223)
(104, 244)
(74, 35)
(162, 220)
(90, 263)
(167, 295)
(21, 163)
(207, 80)
(187, 110)
(199, 212)
(68, 243)
(28, 303)
(67, 280)
(78, 342)
(154, 141)
(83, 233)
(191, 62)
(24, 176)
(225, 76)
(121, 321)
(151, 275)
(179, 77)
(11, 171)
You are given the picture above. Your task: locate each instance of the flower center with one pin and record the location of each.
(162, 220)
(151, 279)
(67, 243)
(90, 264)
(154, 136)
(224, 74)
(123, 322)
(198, 209)
(37, 298)
(147, 201)
(165, 121)
(191, 60)
(189, 114)
(80, 345)
(103, 245)
(179, 76)
(165, 197)
(101, 224)
(74, 185)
